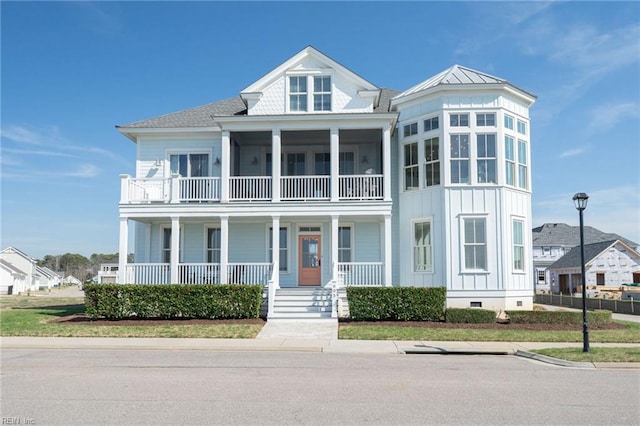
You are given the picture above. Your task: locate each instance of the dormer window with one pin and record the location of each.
(322, 93)
(298, 93)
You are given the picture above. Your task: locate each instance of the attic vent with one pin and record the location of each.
(475, 304)
(519, 303)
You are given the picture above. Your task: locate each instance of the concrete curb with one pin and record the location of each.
(554, 361)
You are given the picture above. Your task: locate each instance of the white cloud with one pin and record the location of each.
(21, 134)
(85, 170)
(572, 152)
(605, 117)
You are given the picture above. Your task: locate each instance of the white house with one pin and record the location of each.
(22, 273)
(373, 187)
(607, 264)
(108, 272)
(551, 241)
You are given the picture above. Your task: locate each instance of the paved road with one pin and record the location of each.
(83, 387)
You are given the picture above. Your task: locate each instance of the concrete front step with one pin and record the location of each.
(302, 303)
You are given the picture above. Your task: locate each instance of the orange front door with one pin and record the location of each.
(309, 259)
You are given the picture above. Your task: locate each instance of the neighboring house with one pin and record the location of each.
(314, 176)
(108, 273)
(12, 279)
(607, 264)
(551, 241)
(71, 280)
(23, 273)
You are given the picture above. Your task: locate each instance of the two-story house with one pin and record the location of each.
(315, 176)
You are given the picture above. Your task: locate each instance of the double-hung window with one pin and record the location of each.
(166, 245)
(422, 253)
(298, 93)
(213, 245)
(510, 161)
(522, 164)
(486, 152)
(432, 161)
(518, 245)
(344, 244)
(322, 93)
(522, 127)
(459, 120)
(459, 158)
(284, 249)
(411, 166)
(475, 244)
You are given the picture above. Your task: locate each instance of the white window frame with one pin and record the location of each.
(483, 122)
(459, 119)
(290, 93)
(428, 268)
(410, 129)
(414, 166)
(322, 93)
(180, 243)
(518, 248)
(510, 170)
(207, 227)
(522, 127)
(430, 162)
(269, 246)
(486, 160)
(464, 244)
(462, 160)
(523, 164)
(508, 121)
(351, 226)
(189, 152)
(431, 121)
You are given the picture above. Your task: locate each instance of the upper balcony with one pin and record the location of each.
(177, 189)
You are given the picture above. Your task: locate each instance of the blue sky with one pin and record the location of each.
(72, 71)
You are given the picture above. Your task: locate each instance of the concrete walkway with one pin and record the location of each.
(320, 329)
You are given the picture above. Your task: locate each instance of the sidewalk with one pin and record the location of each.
(389, 347)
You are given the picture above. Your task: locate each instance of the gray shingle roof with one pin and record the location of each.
(573, 258)
(563, 235)
(199, 116)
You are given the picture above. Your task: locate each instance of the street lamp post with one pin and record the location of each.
(580, 200)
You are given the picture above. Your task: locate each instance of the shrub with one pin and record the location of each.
(558, 317)
(167, 301)
(396, 303)
(470, 316)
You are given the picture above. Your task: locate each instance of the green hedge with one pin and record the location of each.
(470, 316)
(396, 303)
(558, 317)
(166, 301)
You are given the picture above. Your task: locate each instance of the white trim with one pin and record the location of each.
(461, 242)
(414, 221)
(268, 235)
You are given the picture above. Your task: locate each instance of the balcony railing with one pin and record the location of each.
(147, 273)
(248, 273)
(197, 273)
(249, 188)
(362, 273)
(305, 187)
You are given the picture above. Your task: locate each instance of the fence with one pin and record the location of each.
(629, 306)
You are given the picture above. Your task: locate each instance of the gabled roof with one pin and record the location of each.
(15, 250)
(458, 75)
(591, 251)
(563, 235)
(315, 54)
(11, 268)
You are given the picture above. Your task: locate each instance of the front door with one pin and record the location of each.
(309, 259)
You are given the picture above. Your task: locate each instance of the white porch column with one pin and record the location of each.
(276, 164)
(335, 163)
(275, 239)
(386, 162)
(225, 166)
(334, 246)
(175, 248)
(224, 249)
(387, 250)
(124, 188)
(122, 251)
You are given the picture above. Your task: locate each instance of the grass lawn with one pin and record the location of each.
(30, 316)
(631, 334)
(594, 355)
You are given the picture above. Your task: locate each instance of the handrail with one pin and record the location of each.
(273, 285)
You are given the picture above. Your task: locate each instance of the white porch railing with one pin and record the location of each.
(199, 188)
(199, 273)
(362, 273)
(361, 187)
(147, 190)
(253, 188)
(305, 187)
(248, 273)
(147, 273)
